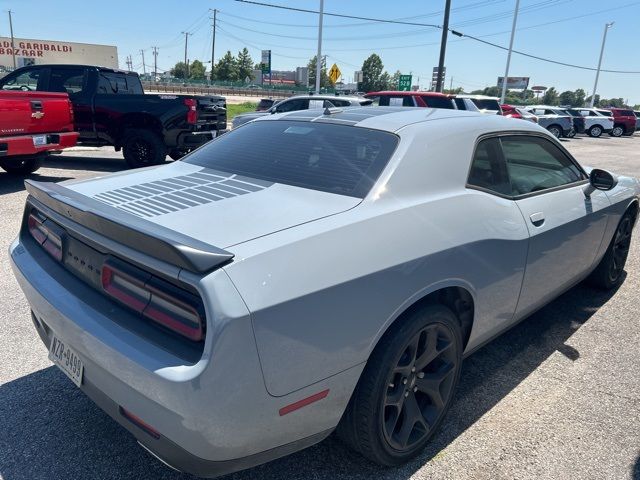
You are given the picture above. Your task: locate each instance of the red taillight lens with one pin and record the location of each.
(71, 114)
(46, 233)
(192, 112)
(155, 299)
(125, 284)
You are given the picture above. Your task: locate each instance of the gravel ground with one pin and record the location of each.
(557, 397)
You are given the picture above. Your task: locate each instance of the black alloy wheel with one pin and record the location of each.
(406, 387)
(621, 244)
(419, 386)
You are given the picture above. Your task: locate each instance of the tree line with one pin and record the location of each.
(229, 68)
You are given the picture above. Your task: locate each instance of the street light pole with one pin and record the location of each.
(607, 26)
(319, 53)
(443, 46)
(13, 48)
(513, 34)
(186, 43)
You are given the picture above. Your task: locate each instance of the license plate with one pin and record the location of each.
(67, 359)
(39, 140)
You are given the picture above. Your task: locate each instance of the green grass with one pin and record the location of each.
(233, 110)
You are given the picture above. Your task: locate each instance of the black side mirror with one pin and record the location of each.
(600, 180)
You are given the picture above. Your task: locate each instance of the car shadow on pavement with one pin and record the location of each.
(92, 164)
(51, 430)
(15, 183)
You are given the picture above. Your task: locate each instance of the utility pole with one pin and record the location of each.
(155, 63)
(319, 54)
(186, 43)
(451, 85)
(13, 48)
(607, 26)
(144, 68)
(129, 63)
(513, 34)
(213, 43)
(443, 46)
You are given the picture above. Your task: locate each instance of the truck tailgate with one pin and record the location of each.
(34, 112)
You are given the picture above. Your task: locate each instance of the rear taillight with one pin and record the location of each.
(71, 117)
(192, 112)
(46, 233)
(157, 300)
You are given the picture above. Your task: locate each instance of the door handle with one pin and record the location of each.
(537, 219)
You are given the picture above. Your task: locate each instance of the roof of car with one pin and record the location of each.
(393, 119)
(404, 93)
(478, 97)
(77, 65)
(312, 96)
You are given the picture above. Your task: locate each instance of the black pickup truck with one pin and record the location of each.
(111, 108)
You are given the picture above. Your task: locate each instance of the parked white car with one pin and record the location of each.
(485, 104)
(595, 122)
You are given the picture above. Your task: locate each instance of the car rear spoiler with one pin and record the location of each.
(137, 233)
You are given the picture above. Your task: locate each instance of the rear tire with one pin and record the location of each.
(22, 164)
(572, 133)
(555, 130)
(143, 148)
(595, 131)
(406, 387)
(609, 272)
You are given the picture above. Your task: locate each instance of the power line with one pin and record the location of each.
(454, 32)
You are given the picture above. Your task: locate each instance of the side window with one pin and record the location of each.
(340, 103)
(66, 80)
(112, 84)
(293, 105)
(536, 164)
(25, 81)
(488, 169)
(319, 104)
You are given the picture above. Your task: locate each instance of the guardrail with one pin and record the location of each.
(214, 90)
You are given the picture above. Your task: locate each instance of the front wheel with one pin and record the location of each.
(608, 273)
(406, 387)
(572, 133)
(142, 148)
(22, 164)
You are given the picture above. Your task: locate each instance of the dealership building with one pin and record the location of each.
(34, 52)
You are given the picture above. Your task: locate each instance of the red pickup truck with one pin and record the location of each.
(32, 124)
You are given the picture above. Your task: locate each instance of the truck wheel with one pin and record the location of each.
(595, 131)
(142, 148)
(22, 164)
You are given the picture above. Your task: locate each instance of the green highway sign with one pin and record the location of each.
(404, 83)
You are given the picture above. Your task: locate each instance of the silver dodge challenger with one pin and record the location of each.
(310, 272)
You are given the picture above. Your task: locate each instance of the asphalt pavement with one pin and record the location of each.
(556, 397)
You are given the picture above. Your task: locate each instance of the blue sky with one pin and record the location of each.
(565, 30)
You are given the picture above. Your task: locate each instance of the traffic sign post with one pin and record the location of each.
(404, 83)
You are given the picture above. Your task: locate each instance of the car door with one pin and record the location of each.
(566, 228)
(73, 81)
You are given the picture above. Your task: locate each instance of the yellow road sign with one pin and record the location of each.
(334, 73)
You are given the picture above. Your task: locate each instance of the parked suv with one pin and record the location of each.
(624, 121)
(420, 99)
(558, 122)
(303, 102)
(595, 122)
(637, 114)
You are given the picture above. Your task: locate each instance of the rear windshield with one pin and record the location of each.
(437, 102)
(264, 104)
(330, 158)
(486, 104)
(626, 113)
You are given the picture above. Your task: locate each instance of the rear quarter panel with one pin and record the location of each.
(321, 295)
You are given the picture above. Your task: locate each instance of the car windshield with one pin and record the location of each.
(339, 159)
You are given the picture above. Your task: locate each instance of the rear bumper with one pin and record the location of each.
(214, 416)
(191, 140)
(23, 144)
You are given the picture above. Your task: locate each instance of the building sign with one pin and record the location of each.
(29, 51)
(266, 61)
(404, 83)
(517, 83)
